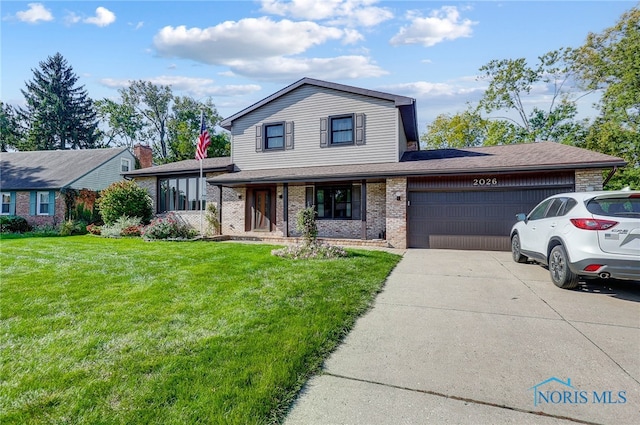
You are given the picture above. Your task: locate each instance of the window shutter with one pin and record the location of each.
(309, 197)
(32, 203)
(288, 135)
(360, 139)
(52, 202)
(12, 203)
(324, 132)
(355, 202)
(258, 138)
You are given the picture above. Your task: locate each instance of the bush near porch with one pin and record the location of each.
(109, 331)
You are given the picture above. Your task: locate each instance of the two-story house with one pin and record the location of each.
(353, 154)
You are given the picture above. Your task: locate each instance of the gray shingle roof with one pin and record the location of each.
(508, 158)
(406, 105)
(50, 169)
(188, 166)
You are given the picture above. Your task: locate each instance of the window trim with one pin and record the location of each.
(331, 131)
(200, 187)
(2, 195)
(39, 204)
(265, 138)
(124, 161)
(330, 189)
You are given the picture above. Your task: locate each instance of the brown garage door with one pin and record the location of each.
(476, 218)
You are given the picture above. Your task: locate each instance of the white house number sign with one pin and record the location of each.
(489, 181)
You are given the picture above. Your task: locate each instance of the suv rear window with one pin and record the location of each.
(615, 207)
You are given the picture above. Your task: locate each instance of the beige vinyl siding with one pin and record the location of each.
(305, 106)
(102, 176)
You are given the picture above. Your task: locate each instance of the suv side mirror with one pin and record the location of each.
(521, 217)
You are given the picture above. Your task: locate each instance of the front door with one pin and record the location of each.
(261, 211)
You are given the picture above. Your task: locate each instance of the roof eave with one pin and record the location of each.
(409, 173)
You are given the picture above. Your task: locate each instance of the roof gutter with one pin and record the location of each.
(611, 173)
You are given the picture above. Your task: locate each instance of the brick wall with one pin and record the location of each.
(397, 212)
(351, 229)
(150, 185)
(587, 180)
(233, 210)
(23, 200)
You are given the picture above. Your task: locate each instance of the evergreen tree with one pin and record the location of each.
(59, 114)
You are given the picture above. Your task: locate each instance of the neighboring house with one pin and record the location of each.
(33, 183)
(354, 155)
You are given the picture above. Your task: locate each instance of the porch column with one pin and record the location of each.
(285, 209)
(220, 207)
(363, 210)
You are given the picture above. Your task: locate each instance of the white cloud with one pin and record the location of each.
(136, 26)
(103, 17)
(443, 24)
(71, 18)
(247, 38)
(195, 87)
(36, 13)
(344, 12)
(280, 68)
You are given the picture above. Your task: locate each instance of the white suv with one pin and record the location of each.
(582, 234)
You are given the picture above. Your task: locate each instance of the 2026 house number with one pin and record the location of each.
(489, 181)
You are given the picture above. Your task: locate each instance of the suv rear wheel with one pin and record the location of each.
(559, 270)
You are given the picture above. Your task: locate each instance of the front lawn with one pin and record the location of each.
(106, 331)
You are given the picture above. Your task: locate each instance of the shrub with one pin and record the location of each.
(13, 224)
(310, 251)
(73, 227)
(121, 227)
(125, 198)
(213, 225)
(94, 229)
(306, 224)
(169, 227)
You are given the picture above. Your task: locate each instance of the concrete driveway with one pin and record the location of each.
(470, 337)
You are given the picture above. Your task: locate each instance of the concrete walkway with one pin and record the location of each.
(470, 337)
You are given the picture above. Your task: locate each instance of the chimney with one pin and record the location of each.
(144, 154)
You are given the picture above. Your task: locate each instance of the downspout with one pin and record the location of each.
(611, 173)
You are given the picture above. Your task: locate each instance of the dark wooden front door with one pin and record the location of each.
(261, 210)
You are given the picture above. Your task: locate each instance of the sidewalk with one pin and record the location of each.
(463, 337)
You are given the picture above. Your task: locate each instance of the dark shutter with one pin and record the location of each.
(32, 203)
(324, 132)
(355, 202)
(309, 201)
(288, 135)
(12, 203)
(360, 136)
(258, 138)
(52, 203)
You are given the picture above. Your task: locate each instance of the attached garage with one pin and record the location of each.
(475, 211)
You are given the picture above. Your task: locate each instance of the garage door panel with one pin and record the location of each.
(471, 219)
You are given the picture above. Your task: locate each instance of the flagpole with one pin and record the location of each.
(202, 189)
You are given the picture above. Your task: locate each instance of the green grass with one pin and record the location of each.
(121, 331)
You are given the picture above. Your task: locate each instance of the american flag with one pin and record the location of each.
(203, 141)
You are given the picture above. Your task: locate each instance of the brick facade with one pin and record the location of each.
(588, 180)
(397, 212)
(23, 201)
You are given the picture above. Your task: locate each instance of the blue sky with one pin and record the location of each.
(238, 52)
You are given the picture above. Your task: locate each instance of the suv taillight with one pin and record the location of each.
(593, 224)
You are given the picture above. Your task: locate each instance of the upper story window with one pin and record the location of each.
(125, 165)
(6, 203)
(341, 130)
(274, 136)
(42, 203)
